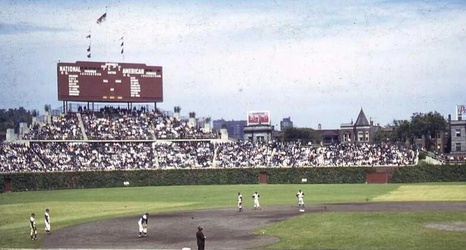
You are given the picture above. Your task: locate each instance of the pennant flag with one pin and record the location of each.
(122, 43)
(102, 18)
(122, 50)
(88, 36)
(89, 55)
(89, 49)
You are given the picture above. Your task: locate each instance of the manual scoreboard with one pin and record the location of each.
(109, 82)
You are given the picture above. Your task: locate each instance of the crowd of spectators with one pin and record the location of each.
(101, 156)
(91, 156)
(132, 139)
(293, 154)
(15, 157)
(121, 126)
(111, 123)
(189, 154)
(63, 127)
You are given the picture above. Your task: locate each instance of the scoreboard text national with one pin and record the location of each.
(109, 82)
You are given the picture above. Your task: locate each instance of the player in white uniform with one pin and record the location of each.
(47, 221)
(32, 226)
(143, 225)
(256, 198)
(240, 202)
(300, 196)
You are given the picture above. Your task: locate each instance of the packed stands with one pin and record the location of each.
(133, 139)
(15, 157)
(117, 124)
(107, 156)
(63, 127)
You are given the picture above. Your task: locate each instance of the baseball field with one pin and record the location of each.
(345, 216)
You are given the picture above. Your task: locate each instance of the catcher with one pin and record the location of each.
(143, 225)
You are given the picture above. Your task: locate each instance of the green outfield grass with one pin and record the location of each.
(324, 230)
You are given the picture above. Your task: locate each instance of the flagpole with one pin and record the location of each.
(122, 48)
(106, 33)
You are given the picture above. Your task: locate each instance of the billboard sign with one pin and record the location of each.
(258, 118)
(109, 82)
(460, 112)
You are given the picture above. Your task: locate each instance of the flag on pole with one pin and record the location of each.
(89, 46)
(122, 44)
(102, 18)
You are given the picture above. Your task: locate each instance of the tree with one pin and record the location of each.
(304, 135)
(11, 118)
(403, 132)
(428, 125)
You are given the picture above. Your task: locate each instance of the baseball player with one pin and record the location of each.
(32, 225)
(300, 196)
(143, 225)
(240, 202)
(47, 221)
(256, 197)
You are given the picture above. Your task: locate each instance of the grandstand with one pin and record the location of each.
(136, 138)
(128, 140)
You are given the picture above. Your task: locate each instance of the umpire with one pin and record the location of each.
(200, 238)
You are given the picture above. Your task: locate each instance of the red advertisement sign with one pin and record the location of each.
(259, 117)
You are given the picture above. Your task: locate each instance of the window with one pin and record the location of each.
(367, 136)
(458, 147)
(360, 136)
(346, 137)
(458, 132)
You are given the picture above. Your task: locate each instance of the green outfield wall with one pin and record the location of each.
(321, 175)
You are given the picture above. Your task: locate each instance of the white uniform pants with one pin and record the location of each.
(142, 229)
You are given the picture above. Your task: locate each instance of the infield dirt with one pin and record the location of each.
(224, 228)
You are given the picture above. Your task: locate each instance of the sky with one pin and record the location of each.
(317, 62)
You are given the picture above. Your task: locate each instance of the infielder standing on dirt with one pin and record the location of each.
(300, 196)
(256, 197)
(32, 225)
(143, 225)
(47, 221)
(240, 202)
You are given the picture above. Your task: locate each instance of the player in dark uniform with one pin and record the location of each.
(200, 238)
(32, 225)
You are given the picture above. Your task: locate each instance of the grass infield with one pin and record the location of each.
(336, 230)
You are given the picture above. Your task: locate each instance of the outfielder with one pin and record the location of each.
(32, 225)
(240, 202)
(47, 221)
(143, 225)
(256, 197)
(300, 196)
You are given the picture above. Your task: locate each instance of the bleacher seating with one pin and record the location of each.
(121, 139)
